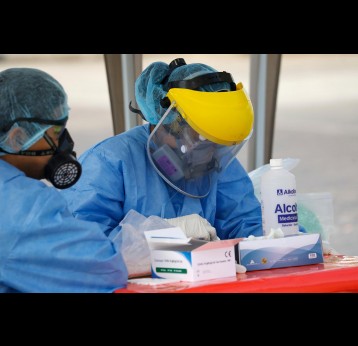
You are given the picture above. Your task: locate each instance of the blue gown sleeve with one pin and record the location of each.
(43, 248)
(238, 211)
(99, 193)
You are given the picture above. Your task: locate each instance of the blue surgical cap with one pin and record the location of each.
(28, 93)
(149, 89)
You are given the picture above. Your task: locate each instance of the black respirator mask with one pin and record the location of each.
(63, 170)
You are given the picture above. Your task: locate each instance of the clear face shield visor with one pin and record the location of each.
(190, 157)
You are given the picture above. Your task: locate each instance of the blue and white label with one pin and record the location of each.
(278, 201)
(282, 192)
(287, 218)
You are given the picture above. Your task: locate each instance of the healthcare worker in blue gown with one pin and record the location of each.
(182, 164)
(43, 248)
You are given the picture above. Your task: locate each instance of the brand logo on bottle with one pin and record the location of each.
(281, 192)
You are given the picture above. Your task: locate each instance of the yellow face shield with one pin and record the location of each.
(222, 117)
(198, 136)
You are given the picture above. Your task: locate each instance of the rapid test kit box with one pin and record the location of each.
(173, 256)
(292, 250)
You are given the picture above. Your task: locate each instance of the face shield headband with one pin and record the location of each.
(63, 170)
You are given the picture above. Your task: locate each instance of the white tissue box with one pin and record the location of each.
(293, 250)
(173, 256)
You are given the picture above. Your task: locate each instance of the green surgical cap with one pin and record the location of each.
(28, 93)
(149, 89)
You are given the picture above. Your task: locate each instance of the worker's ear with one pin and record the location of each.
(16, 138)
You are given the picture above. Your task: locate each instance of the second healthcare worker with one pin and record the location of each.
(43, 248)
(182, 164)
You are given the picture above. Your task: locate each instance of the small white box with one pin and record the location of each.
(293, 250)
(173, 256)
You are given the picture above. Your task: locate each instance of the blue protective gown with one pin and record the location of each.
(118, 176)
(43, 248)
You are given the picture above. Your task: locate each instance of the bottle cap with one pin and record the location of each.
(276, 162)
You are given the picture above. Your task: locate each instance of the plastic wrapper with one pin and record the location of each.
(315, 213)
(134, 246)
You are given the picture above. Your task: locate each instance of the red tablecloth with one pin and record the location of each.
(336, 274)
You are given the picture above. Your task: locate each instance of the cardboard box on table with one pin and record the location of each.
(173, 256)
(293, 250)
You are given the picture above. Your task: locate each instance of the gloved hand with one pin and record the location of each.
(194, 226)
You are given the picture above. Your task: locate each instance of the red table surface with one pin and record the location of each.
(336, 274)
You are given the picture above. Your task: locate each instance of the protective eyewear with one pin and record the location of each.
(7, 127)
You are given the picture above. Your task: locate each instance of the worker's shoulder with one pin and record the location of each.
(135, 134)
(138, 133)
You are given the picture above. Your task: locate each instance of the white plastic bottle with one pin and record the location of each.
(278, 199)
